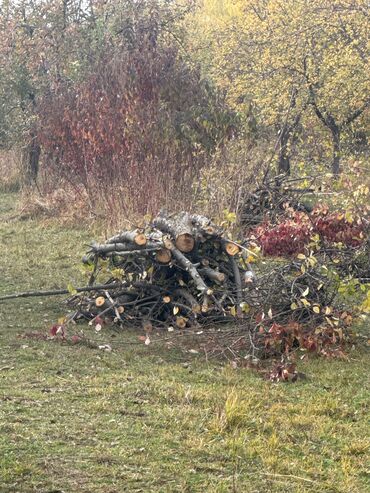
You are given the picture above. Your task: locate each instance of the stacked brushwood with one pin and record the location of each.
(180, 271)
(271, 198)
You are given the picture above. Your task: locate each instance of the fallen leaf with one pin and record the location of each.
(105, 347)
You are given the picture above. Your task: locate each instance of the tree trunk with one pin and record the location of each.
(31, 159)
(284, 158)
(335, 131)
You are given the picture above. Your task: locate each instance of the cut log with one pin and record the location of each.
(137, 237)
(163, 256)
(188, 266)
(205, 225)
(185, 242)
(180, 230)
(181, 322)
(99, 301)
(123, 248)
(212, 274)
(231, 248)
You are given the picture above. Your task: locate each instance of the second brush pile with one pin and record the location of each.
(180, 271)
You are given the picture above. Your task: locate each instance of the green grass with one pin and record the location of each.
(154, 419)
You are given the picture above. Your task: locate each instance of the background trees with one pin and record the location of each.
(109, 94)
(283, 61)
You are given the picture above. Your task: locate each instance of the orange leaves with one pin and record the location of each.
(290, 336)
(283, 372)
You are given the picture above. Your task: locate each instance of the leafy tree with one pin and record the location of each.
(279, 59)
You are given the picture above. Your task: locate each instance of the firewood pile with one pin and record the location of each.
(180, 271)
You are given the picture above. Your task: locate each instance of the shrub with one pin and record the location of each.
(136, 127)
(295, 230)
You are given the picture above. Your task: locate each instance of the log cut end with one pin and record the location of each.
(163, 256)
(185, 242)
(100, 300)
(231, 248)
(210, 230)
(181, 322)
(140, 239)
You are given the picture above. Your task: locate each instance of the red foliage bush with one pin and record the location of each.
(336, 228)
(135, 127)
(294, 231)
(289, 237)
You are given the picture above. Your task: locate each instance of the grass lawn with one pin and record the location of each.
(151, 418)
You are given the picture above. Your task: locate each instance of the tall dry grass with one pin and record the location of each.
(107, 205)
(10, 170)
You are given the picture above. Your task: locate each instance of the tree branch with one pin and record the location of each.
(355, 114)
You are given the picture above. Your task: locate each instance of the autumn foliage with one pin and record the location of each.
(134, 124)
(294, 231)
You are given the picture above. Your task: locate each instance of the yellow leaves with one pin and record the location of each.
(259, 48)
(71, 289)
(230, 217)
(312, 261)
(117, 273)
(365, 306)
(253, 253)
(349, 217)
(244, 307)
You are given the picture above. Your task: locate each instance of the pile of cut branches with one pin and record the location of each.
(180, 271)
(270, 199)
